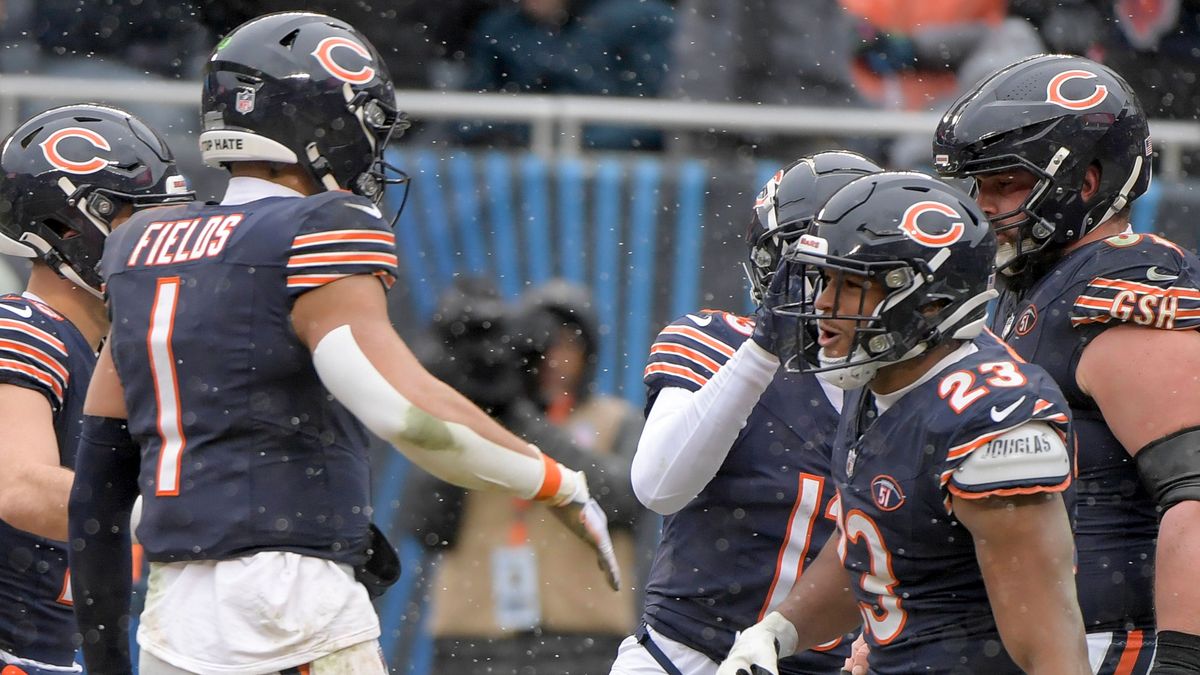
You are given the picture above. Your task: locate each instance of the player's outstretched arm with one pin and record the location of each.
(819, 608)
(368, 368)
(1147, 384)
(33, 494)
(1025, 551)
(105, 488)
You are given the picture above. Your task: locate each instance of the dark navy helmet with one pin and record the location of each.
(67, 173)
(1054, 116)
(787, 204)
(925, 243)
(306, 89)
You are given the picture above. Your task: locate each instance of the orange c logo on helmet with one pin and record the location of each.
(1054, 91)
(50, 150)
(908, 224)
(324, 54)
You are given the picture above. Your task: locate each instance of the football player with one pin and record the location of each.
(735, 454)
(1058, 148)
(68, 176)
(951, 453)
(250, 355)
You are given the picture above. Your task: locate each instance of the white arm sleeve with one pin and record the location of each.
(688, 434)
(448, 450)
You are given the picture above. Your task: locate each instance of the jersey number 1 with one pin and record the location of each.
(166, 387)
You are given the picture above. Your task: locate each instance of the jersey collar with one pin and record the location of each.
(244, 189)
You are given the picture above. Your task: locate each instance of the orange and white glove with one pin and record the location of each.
(567, 491)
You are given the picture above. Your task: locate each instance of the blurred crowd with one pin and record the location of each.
(886, 54)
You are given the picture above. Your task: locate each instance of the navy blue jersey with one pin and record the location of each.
(243, 449)
(915, 575)
(42, 351)
(736, 550)
(1130, 278)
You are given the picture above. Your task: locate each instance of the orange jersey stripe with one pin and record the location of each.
(37, 355)
(1136, 287)
(40, 376)
(344, 258)
(677, 371)
(34, 331)
(966, 448)
(684, 352)
(1091, 302)
(303, 280)
(1010, 492)
(704, 339)
(1129, 655)
(344, 237)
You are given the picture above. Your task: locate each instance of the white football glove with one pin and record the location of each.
(757, 650)
(583, 516)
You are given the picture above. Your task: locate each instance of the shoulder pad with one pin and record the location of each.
(1141, 279)
(692, 348)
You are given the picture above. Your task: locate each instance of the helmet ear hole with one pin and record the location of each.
(59, 228)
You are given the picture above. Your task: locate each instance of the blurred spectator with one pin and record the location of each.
(583, 47)
(919, 56)
(908, 53)
(507, 597)
(785, 52)
(1156, 47)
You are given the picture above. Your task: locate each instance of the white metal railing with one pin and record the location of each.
(556, 122)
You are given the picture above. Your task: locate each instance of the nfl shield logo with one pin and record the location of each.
(851, 457)
(245, 100)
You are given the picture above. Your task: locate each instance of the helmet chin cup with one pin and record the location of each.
(853, 375)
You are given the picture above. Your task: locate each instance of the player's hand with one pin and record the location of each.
(583, 516)
(856, 664)
(774, 332)
(756, 650)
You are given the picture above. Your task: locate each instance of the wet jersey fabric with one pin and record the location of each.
(243, 449)
(913, 565)
(735, 551)
(42, 351)
(1130, 278)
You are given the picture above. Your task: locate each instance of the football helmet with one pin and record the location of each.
(787, 204)
(67, 172)
(302, 88)
(925, 243)
(1054, 116)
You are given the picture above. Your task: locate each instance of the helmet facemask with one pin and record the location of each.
(902, 325)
